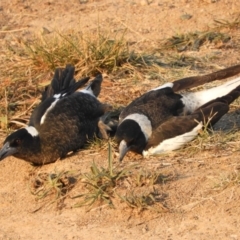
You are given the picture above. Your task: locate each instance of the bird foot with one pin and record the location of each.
(103, 128)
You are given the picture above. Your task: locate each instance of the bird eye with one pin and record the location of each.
(18, 141)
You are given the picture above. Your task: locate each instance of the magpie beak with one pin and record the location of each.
(123, 149)
(7, 150)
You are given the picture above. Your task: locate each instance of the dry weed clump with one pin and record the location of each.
(56, 184)
(217, 35)
(27, 64)
(100, 186)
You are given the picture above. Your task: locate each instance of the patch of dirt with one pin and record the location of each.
(196, 204)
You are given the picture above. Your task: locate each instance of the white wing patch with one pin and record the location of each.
(32, 131)
(57, 96)
(191, 101)
(45, 114)
(143, 122)
(169, 84)
(194, 100)
(88, 90)
(173, 143)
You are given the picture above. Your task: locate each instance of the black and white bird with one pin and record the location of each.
(162, 120)
(64, 120)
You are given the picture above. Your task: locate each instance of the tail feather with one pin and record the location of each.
(74, 86)
(194, 100)
(190, 82)
(228, 99)
(218, 107)
(62, 78)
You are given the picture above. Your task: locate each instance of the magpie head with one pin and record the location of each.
(130, 137)
(19, 143)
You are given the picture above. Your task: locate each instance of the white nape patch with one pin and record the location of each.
(194, 100)
(143, 122)
(173, 143)
(46, 112)
(165, 85)
(32, 131)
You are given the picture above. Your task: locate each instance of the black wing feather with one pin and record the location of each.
(179, 125)
(210, 112)
(95, 84)
(190, 82)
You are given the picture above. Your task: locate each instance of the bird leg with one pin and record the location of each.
(103, 128)
(106, 107)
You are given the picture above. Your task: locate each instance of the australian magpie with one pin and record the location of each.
(162, 120)
(64, 120)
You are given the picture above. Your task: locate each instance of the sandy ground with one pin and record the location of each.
(196, 204)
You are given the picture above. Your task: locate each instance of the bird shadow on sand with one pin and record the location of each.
(228, 122)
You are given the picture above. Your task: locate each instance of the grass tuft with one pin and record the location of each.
(227, 181)
(142, 201)
(27, 65)
(101, 183)
(194, 40)
(113, 184)
(90, 54)
(227, 24)
(56, 184)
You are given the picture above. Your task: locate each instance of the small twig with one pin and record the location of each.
(191, 205)
(131, 29)
(231, 196)
(100, 207)
(236, 142)
(28, 109)
(13, 30)
(138, 224)
(18, 123)
(6, 103)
